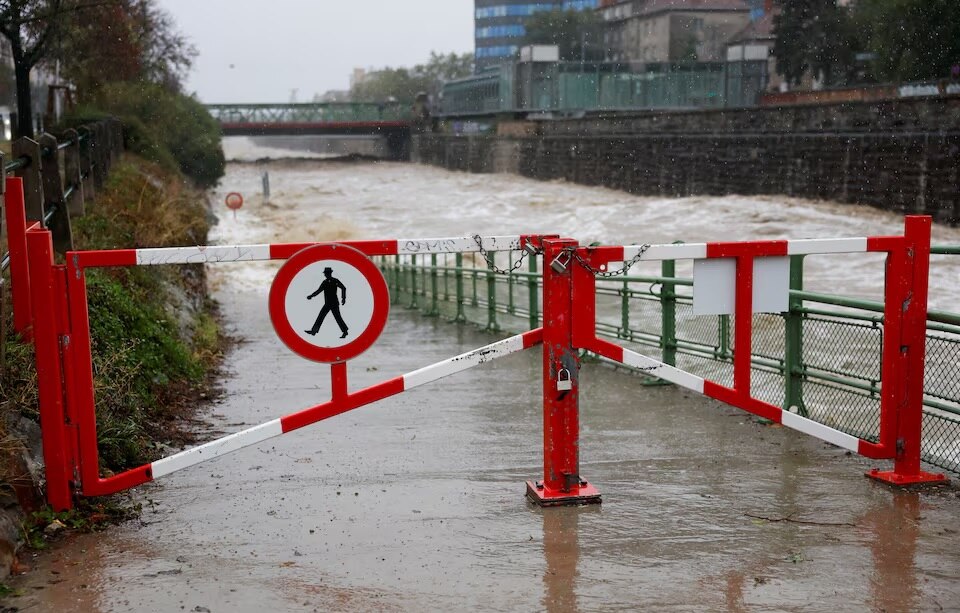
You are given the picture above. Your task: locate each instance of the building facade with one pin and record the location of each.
(672, 30)
(500, 26)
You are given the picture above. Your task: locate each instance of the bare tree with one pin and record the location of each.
(29, 25)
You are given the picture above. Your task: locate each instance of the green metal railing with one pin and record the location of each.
(821, 359)
(594, 86)
(310, 112)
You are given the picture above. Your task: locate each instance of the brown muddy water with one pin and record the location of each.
(416, 503)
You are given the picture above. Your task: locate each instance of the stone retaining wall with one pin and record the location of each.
(900, 155)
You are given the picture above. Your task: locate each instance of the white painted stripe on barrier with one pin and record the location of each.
(820, 431)
(463, 362)
(202, 255)
(681, 251)
(219, 447)
(465, 244)
(664, 371)
(826, 245)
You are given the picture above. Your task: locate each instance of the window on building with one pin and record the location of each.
(501, 32)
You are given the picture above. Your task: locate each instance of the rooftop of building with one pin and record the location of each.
(759, 30)
(652, 7)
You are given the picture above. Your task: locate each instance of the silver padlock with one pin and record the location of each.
(564, 383)
(560, 263)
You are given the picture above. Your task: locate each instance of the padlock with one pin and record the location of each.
(560, 263)
(564, 383)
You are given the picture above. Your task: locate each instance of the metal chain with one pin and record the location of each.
(489, 259)
(572, 251)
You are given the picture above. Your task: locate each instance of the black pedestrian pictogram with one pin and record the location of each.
(329, 289)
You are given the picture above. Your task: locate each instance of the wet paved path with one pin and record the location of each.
(416, 503)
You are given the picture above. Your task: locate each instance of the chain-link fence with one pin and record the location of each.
(817, 360)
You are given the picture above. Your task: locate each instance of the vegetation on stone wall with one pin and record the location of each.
(165, 127)
(155, 336)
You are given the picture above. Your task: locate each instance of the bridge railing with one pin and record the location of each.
(319, 112)
(821, 358)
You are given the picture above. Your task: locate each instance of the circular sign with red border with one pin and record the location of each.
(329, 303)
(234, 201)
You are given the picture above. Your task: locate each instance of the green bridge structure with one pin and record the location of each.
(390, 120)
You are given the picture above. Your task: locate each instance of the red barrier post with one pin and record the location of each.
(19, 267)
(561, 483)
(909, 296)
(60, 465)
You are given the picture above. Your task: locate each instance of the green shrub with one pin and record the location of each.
(170, 129)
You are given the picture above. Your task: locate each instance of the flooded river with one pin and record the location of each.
(416, 503)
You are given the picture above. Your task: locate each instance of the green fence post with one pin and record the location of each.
(625, 311)
(534, 297)
(460, 316)
(492, 324)
(668, 313)
(396, 279)
(434, 307)
(724, 325)
(413, 282)
(446, 275)
(793, 360)
(473, 281)
(510, 283)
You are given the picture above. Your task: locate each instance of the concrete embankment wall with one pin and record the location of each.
(900, 155)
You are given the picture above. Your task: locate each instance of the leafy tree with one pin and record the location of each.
(912, 39)
(442, 68)
(815, 36)
(163, 126)
(578, 34)
(99, 46)
(404, 84)
(123, 40)
(386, 84)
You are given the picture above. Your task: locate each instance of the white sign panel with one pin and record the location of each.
(715, 282)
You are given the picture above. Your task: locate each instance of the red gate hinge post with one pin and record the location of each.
(910, 300)
(46, 336)
(561, 484)
(66, 346)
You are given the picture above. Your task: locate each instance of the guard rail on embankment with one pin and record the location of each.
(59, 178)
(821, 358)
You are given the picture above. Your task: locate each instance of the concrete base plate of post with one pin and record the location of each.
(584, 493)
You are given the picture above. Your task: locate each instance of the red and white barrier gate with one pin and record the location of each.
(55, 298)
(905, 315)
(62, 337)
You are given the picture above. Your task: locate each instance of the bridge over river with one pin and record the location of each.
(416, 503)
(389, 120)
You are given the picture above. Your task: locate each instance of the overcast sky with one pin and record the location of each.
(260, 51)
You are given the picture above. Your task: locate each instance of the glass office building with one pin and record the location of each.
(500, 25)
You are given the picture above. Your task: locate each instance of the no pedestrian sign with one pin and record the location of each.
(329, 303)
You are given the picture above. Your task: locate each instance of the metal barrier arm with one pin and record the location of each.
(341, 402)
(282, 251)
(80, 386)
(708, 388)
